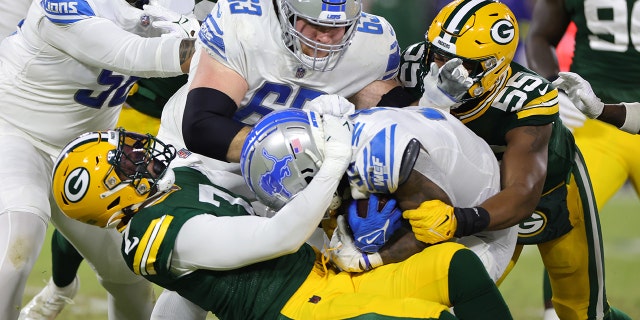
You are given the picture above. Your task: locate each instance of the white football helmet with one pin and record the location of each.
(281, 155)
(325, 13)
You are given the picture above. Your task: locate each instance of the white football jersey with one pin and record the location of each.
(247, 38)
(12, 12)
(63, 72)
(451, 156)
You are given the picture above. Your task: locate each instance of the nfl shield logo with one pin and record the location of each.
(300, 72)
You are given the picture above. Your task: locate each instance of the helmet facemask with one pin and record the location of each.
(323, 14)
(101, 178)
(141, 160)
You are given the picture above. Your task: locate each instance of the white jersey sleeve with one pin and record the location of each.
(73, 27)
(242, 240)
(59, 72)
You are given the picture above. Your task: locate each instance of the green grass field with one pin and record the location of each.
(522, 289)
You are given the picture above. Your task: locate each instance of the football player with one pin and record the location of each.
(603, 55)
(285, 54)
(465, 65)
(66, 71)
(418, 155)
(185, 233)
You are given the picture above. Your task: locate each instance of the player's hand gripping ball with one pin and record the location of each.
(373, 221)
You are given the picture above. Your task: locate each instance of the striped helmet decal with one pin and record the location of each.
(459, 17)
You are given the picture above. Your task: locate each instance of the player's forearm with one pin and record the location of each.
(509, 208)
(115, 49)
(625, 116)
(187, 49)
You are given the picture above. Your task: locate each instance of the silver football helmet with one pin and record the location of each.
(325, 13)
(281, 155)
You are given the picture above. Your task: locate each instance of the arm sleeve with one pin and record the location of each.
(219, 243)
(99, 42)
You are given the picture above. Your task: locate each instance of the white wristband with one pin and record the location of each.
(632, 119)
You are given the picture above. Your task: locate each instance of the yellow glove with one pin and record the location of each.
(432, 222)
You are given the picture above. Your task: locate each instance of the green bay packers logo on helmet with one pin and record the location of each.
(503, 31)
(76, 184)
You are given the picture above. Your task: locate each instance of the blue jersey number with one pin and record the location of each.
(241, 6)
(119, 85)
(285, 96)
(370, 24)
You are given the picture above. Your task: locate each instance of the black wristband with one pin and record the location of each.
(471, 220)
(397, 97)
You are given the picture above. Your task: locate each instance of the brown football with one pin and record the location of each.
(363, 204)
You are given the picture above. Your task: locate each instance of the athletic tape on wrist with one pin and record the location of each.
(632, 119)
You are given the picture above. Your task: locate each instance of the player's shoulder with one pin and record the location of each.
(414, 53)
(527, 93)
(375, 44)
(67, 12)
(229, 18)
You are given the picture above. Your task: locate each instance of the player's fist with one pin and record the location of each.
(373, 221)
(332, 104)
(432, 222)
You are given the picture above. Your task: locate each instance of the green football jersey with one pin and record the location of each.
(607, 47)
(521, 98)
(257, 291)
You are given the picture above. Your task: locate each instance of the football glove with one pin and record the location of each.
(172, 23)
(373, 231)
(580, 93)
(345, 255)
(332, 104)
(444, 87)
(337, 143)
(432, 222)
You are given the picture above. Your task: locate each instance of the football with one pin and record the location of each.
(363, 204)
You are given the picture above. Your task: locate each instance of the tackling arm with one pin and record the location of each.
(548, 24)
(416, 190)
(523, 170)
(207, 114)
(116, 49)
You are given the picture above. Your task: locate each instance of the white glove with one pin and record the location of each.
(332, 104)
(580, 93)
(345, 255)
(571, 116)
(172, 23)
(337, 143)
(444, 87)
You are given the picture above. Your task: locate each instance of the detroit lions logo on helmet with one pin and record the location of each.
(271, 181)
(76, 184)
